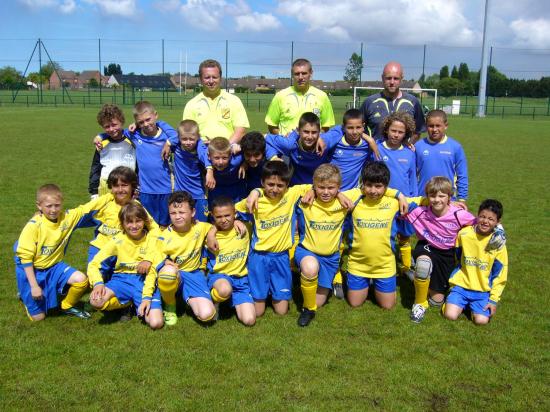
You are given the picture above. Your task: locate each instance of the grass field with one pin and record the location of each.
(501, 106)
(348, 359)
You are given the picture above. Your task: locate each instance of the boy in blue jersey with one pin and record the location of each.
(154, 174)
(397, 128)
(114, 149)
(226, 171)
(301, 148)
(191, 164)
(440, 155)
(480, 277)
(41, 273)
(351, 147)
(227, 265)
(256, 153)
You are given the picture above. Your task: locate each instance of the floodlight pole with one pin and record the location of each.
(483, 70)
(99, 66)
(40, 97)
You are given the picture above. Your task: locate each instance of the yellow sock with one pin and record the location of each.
(216, 296)
(75, 292)
(421, 287)
(405, 250)
(168, 286)
(113, 304)
(309, 290)
(443, 309)
(337, 278)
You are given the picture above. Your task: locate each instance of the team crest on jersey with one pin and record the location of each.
(139, 141)
(377, 114)
(316, 111)
(196, 235)
(426, 152)
(226, 113)
(385, 158)
(339, 152)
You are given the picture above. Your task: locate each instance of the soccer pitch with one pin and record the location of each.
(347, 359)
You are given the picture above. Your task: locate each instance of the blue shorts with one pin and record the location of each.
(328, 265)
(129, 288)
(404, 228)
(201, 210)
(157, 206)
(384, 285)
(239, 284)
(52, 281)
(193, 285)
(269, 273)
(472, 299)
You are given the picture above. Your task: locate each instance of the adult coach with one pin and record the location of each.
(217, 112)
(378, 106)
(289, 104)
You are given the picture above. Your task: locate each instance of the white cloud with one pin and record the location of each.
(532, 33)
(64, 6)
(118, 8)
(167, 5)
(209, 15)
(397, 22)
(257, 22)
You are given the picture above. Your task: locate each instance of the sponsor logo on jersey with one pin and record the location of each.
(476, 262)
(447, 152)
(275, 222)
(403, 160)
(371, 223)
(325, 226)
(182, 258)
(127, 267)
(230, 257)
(108, 230)
(47, 250)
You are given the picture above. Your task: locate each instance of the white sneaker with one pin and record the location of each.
(417, 313)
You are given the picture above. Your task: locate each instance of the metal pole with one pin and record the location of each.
(291, 58)
(99, 67)
(226, 63)
(483, 70)
(424, 63)
(25, 73)
(163, 57)
(362, 65)
(40, 69)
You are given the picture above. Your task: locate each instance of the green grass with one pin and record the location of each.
(348, 359)
(500, 106)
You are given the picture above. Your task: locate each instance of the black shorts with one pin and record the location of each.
(443, 263)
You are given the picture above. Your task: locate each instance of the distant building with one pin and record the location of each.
(142, 82)
(73, 80)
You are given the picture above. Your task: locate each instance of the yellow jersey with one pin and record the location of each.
(232, 255)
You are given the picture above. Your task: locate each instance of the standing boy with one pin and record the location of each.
(441, 155)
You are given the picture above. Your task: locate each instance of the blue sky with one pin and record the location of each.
(260, 34)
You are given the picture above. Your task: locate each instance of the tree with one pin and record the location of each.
(463, 72)
(112, 68)
(454, 73)
(48, 69)
(92, 83)
(444, 72)
(10, 77)
(450, 87)
(353, 69)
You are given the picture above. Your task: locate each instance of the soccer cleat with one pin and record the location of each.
(127, 313)
(338, 290)
(170, 316)
(417, 313)
(78, 313)
(306, 317)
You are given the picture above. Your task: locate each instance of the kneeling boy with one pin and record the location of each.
(227, 271)
(478, 281)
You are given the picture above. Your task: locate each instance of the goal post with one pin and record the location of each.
(428, 97)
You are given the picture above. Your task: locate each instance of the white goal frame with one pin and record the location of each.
(408, 89)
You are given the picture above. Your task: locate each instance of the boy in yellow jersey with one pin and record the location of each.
(129, 256)
(40, 270)
(320, 228)
(273, 232)
(179, 267)
(227, 271)
(480, 277)
(372, 227)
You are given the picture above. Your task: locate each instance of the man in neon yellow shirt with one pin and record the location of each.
(217, 112)
(289, 104)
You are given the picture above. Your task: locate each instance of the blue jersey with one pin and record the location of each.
(189, 169)
(254, 174)
(228, 182)
(377, 107)
(402, 165)
(153, 172)
(303, 162)
(445, 158)
(349, 158)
